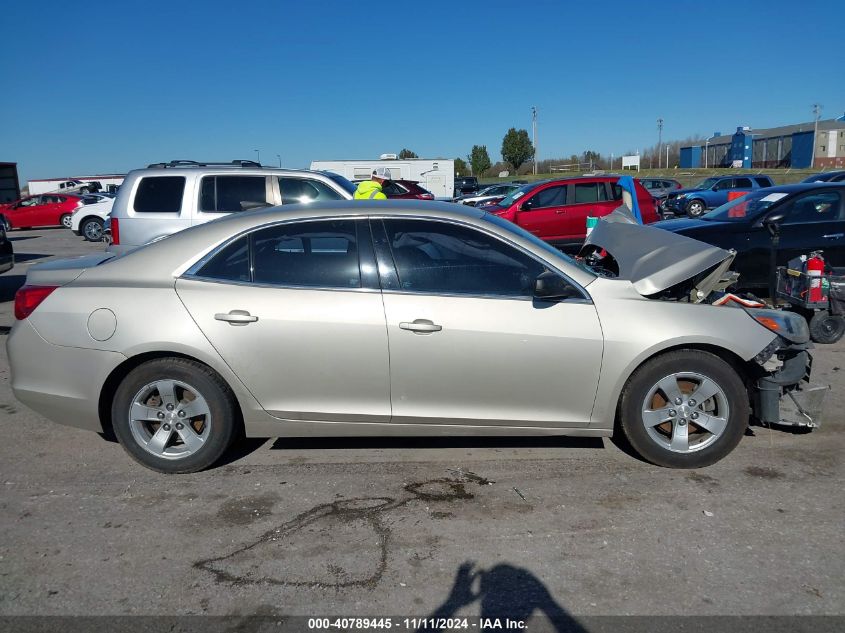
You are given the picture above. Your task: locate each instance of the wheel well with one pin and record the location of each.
(120, 372)
(740, 366)
(91, 217)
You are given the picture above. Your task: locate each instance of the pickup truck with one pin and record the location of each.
(710, 193)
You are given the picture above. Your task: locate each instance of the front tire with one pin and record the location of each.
(92, 229)
(174, 415)
(696, 208)
(684, 409)
(66, 220)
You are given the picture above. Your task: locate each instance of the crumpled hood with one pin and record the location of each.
(653, 259)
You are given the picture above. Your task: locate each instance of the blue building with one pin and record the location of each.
(787, 146)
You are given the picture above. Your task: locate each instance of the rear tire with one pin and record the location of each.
(174, 415)
(66, 220)
(826, 328)
(668, 425)
(92, 229)
(695, 208)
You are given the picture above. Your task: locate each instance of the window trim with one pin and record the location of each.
(192, 271)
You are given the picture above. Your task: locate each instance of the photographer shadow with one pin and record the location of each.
(505, 592)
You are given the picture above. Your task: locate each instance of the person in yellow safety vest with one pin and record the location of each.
(371, 189)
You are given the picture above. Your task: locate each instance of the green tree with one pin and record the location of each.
(516, 148)
(479, 159)
(406, 153)
(460, 167)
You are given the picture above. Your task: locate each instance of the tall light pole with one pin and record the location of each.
(258, 154)
(817, 112)
(706, 147)
(659, 140)
(279, 156)
(534, 129)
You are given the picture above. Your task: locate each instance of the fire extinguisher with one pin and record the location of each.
(815, 269)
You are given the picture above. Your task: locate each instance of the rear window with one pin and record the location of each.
(229, 194)
(589, 192)
(764, 182)
(160, 194)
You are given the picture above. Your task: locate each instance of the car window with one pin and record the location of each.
(229, 194)
(589, 192)
(742, 183)
(160, 194)
(763, 182)
(391, 188)
(550, 197)
(320, 254)
(823, 206)
(230, 264)
(29, 202)
(443, 258)
(727, 183)
(304, 190)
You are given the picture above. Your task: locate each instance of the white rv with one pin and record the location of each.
(437, 175)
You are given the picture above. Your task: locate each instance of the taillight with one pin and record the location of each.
(114, 225)
(30, 297)
(425, 196)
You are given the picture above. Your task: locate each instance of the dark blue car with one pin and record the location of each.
(709, 194)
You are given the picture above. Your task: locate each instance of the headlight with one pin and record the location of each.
(681, 196)
(789, 325)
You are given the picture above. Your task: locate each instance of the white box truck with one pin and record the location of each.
(436, 175)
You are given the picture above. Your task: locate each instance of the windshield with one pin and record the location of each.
(513, 228)
(745, 208)
(344, 183)
(513, 196)
(706, 183)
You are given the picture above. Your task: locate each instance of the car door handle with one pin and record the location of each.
(560, 211)
(236, 317)
(421, 326)
(833, 236)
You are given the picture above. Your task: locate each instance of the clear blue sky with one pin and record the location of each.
(98, 87)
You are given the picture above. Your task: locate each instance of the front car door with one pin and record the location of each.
(468, 345)
(295, 310)
(543, 213)
(814, 221)
(21, 214)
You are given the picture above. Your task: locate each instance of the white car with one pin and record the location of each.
(88, 220)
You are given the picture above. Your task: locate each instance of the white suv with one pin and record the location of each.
(167, 197)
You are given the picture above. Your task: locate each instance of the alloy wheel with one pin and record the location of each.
(685, 412)
(93, 231)
(169, 419)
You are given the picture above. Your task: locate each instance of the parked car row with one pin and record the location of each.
(710, 193)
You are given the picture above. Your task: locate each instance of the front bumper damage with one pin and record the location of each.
(786, 396)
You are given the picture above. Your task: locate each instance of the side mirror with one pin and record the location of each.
(772, 222)
(550, 286)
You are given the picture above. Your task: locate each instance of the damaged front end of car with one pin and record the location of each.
(666, 266)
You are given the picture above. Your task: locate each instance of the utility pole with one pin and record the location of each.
(279, 156)
(817, 112)
(258, 154)
(534, 130)
(659, 140)
(667, 156)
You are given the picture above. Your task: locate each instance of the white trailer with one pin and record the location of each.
(70, 184)
(435, 175)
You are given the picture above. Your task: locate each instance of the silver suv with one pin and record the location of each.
(167, 197)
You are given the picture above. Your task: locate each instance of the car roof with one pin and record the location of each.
(804, 186)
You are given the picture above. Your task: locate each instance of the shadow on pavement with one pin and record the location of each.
(28, 257)
(20, 238)
(9, 285)
(543, 441)
(505, 593)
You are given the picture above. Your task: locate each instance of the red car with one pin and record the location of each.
(405, 190)
(46, 209)
(557, 210)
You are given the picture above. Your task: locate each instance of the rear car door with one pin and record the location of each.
(814, 221)
(46, 212)
(543, 213)
(295, 310)
(468, 343)
(587, 199)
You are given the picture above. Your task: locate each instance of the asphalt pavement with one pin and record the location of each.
(415, 526)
